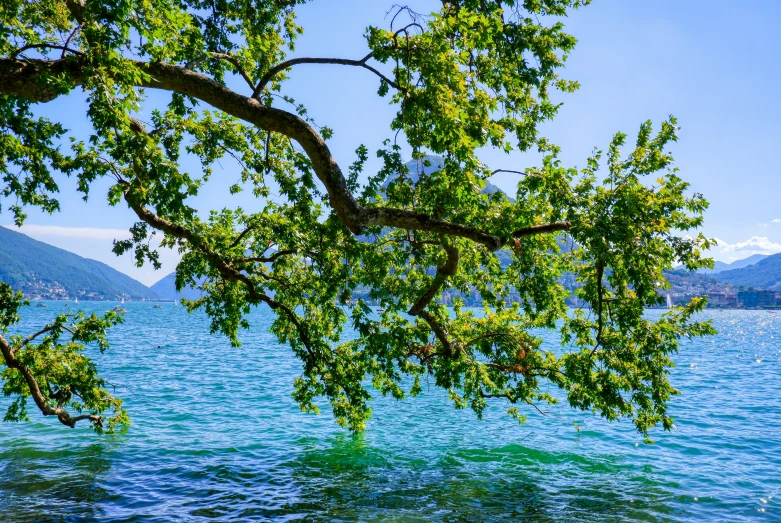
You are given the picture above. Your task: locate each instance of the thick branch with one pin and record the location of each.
(27, 79)
(439, 332)
(76, 8)
(445, 270)
(409, 220)
(541, 229)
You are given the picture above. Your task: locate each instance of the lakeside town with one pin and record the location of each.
(683, 287)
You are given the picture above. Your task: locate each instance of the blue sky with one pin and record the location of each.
(712, 65)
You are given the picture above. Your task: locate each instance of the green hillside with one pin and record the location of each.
(766, 273)
(42, 271)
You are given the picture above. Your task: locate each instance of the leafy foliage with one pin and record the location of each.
(474, 74)
(53, 369)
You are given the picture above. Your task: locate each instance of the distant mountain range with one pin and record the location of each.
(764, 273)
(739, 264)
(759, 270)
(41, 271)
(166, 289)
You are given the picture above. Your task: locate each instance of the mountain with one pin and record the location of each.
(41, 271)
(166, 289)
(431, 164)
(765, 273)
(738, 264)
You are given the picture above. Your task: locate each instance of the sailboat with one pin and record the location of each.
(76, 301)
(120, 309)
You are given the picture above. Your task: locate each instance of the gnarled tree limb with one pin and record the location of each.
(9, 354)
(26, 79)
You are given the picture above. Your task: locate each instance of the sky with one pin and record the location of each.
(711, 64)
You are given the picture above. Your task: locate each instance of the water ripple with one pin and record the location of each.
(216, 437)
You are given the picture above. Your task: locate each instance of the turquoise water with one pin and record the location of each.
(216, 437)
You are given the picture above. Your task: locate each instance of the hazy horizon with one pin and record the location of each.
(64, 237)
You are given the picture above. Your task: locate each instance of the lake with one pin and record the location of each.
(217, 437)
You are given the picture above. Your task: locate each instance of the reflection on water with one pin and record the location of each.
(206, 448)
(342, 478)
(349, 479)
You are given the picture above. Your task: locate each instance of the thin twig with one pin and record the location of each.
(271, 73)
(45, 46)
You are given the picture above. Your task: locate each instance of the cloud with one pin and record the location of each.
(776, 220)
(82, 233)
(754, 245)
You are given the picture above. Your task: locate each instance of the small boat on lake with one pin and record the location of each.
(41, 305)
(119, 310)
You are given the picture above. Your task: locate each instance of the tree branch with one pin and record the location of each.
(35, 390)
(449, 268)
(228, 58)
(268, 259)
(439, 332)
(226, 269)
(541, 229)
(76, 8)
(24, 79)
(70, 37)
(241, 236)
(495, 171)
(31, 337)
(64, 49)
(271, 73)
(511, 398)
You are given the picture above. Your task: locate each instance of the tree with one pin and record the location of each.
(473, 75)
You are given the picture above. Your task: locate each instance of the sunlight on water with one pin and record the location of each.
(216, 437)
